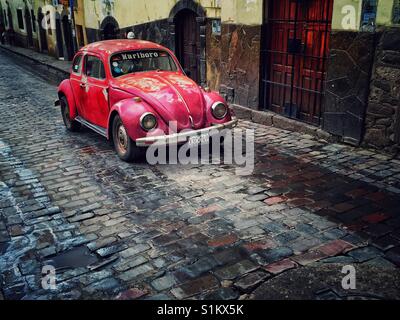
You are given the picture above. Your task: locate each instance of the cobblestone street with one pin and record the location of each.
(135, 231)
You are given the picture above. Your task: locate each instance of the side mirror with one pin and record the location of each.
(187, 72)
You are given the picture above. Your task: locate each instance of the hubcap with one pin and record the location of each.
(122, 138)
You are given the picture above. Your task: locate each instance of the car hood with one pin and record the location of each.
(174, 96)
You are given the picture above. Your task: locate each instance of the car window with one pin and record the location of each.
(77, 64)
(141, 61)
(94, 67)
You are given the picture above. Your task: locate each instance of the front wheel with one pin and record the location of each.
(124, 145)
(71, 125)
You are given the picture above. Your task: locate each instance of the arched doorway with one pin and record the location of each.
(28, 24)
(188, 42)
(42, 31)
(109, 29)
(188, 37)
(68, 38)
(59, 39)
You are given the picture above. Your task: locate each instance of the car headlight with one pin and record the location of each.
(148, 121)
(219, 110)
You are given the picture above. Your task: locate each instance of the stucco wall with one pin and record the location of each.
(129, 13)
(19, 4)
(247, 12)
(346, 14)
(384, 14)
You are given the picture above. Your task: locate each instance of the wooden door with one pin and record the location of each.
(296, 45)
(188, 42)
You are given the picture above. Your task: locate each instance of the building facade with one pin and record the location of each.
(332, 64)
(19, 17)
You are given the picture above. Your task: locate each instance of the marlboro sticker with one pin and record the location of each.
(139, 55)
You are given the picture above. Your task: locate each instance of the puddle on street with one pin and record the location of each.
(75, 258)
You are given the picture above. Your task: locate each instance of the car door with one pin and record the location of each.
(95, 87)
(76, 83)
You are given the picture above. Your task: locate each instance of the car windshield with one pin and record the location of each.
(140, 61)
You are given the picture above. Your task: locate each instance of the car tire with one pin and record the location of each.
(71, 125)
(124, 146)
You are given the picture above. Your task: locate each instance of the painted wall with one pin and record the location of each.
(46, 6)
(346, 15)
(129, 13)
(385, 12)
(79, 13)
(247, 12)
(19, 4)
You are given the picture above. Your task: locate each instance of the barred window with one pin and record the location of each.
(396, 12)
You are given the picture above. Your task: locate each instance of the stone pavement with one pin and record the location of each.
(135, 231)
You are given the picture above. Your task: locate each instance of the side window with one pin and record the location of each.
(94, 68)
(77, 64)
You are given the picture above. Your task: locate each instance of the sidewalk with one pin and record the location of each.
(44, 59)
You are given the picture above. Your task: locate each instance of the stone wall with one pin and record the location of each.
(155, 31)
(347, 84)
(240, 64)
(213, 57)
(383, 113)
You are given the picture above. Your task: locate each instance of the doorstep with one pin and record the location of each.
(272, 119)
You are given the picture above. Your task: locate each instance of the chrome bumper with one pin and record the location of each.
(178, 138)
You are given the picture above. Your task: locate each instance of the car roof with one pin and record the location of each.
(109, 47)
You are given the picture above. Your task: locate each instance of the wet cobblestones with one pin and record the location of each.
(135, 231)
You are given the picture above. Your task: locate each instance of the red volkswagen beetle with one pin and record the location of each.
(130, 91)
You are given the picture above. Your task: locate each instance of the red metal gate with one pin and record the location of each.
(294, 55)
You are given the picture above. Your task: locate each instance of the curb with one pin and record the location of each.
(54, 69)
(271, 119)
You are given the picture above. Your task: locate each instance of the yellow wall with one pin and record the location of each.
(343, 18)
(46, 5)
(248, 12)
(79, 15)
(384, 15)
(128, 12)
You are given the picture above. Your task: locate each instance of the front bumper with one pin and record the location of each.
(179, 138)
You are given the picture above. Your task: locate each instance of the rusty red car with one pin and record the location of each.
(129, 91)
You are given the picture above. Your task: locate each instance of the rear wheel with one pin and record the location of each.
(124, 145)
(71, 125)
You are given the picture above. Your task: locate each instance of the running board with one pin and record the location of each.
(100, 130)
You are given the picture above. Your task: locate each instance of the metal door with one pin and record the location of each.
(294, 55)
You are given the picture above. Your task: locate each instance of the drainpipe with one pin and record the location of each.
(74, 40)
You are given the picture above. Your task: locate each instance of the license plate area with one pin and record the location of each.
(198, 139)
